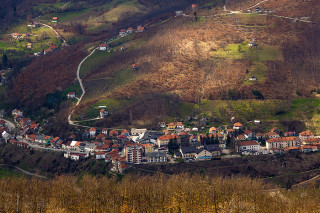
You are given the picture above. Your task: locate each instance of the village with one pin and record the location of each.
(173, 143)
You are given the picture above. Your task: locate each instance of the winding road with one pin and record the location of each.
(64, 43)
(82, 87)
(9, 124)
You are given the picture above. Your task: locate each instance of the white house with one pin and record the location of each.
(180, 125)
(102, 47)
(237, 126)
(71, 95)
(130, 30)
(123, 32)
(105, 131)
(247, 146)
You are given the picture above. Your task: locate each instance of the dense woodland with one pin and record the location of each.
(159, 193)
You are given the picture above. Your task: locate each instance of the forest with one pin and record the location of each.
(158, 193)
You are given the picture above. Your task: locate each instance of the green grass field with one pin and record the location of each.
(93, 62)
(259, 57)
(8, 173)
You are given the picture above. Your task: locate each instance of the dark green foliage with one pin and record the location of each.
(257, 94)
(173, 146)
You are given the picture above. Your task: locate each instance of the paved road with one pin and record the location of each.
(36, 146)
(81, 84)
(9, 124)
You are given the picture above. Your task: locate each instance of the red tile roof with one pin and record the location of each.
(282, 139)
(306, 133)
(237, 124)
(247, 143)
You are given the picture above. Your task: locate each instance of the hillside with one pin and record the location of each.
(185, 65)
(196, 61)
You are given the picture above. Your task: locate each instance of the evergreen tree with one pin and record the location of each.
(216, 140)
(4, 60)
(228, 142)
(173, 146)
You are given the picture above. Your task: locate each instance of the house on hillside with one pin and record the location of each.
(305, 135)
(92, 132)
(102, 47)
(213, 130)
(29, 45)
(253, 78)
(253, 43)
(194, 6)
(71, 95)
(16, 35)
(135, 67)
(130, 30)
(105, 131)
(122, 32)
(54, 19)
(103, 113)
(179, 13)
(140, 29)
(47, 51)
(237, 126)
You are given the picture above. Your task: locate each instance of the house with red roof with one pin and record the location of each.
(282, 142)
(140, 29)
(180, 125)
(213, 130)
(305, 135)
(101, 136)
(130, 30)
(249, 134)
(54, 19)
(92, 132)
(247, 146)
(71, 95)
(122, 32)
(238, 126)
(103, 47)
(113, 133)
(135, 67)
(272, 135)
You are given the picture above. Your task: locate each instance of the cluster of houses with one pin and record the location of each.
(173, 142)
(124, 32)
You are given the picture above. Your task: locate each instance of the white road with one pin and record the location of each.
(81, 84)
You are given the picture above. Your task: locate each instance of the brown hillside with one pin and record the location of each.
(47, 74)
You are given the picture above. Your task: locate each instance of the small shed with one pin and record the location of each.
(135, 67)
(54, 19)
(179, 13)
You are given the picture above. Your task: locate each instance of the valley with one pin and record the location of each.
(110, 91)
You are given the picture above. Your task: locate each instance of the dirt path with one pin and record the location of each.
(25, 172)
